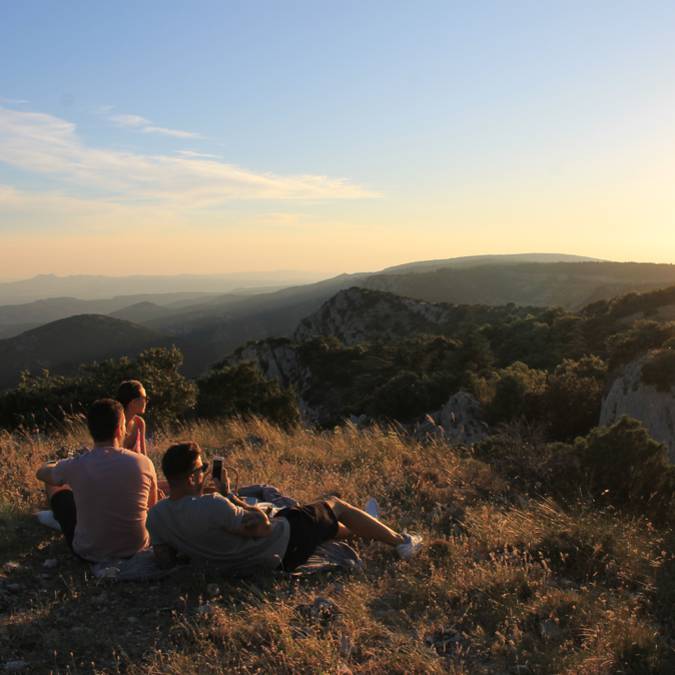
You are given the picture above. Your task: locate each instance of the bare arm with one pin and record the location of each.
(153, 494)
(255, 523)
(141, 430)
(224, 487)
(46, 474)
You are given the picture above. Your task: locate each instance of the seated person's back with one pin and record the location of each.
(111, 487)
(103, 513)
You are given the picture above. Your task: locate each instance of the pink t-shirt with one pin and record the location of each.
(111, 487)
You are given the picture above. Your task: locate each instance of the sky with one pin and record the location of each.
(163, 137)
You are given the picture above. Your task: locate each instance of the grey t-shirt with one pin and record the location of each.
(200, 527)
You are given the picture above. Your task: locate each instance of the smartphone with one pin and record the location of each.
(217, 470)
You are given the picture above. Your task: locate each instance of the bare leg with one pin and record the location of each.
(362, 525)
(344, 532)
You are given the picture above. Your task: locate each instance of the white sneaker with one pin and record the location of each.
(411, 546)
(372, 508)
(47, 519)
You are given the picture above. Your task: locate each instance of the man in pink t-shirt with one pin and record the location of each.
(103, 509)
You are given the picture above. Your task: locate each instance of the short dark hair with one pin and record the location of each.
(103, 418)
(128, 391)
(179, 460)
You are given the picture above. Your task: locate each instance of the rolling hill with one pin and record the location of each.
(62, 345)
(480, 260)
(15, 319)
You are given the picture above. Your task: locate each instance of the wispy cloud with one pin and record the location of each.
(147, 127)
(197, 155)
(50, 146)
(12, 101)
(175, 133)
(129, 120)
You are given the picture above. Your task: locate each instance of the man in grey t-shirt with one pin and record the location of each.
(240, 537)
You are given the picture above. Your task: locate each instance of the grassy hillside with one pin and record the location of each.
(513, 579)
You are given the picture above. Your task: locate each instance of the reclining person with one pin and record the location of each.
(103, 509)
(241, 537)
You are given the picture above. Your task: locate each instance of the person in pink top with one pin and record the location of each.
(102, 512)
(132, 395)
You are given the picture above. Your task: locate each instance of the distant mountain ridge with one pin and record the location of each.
(569, 285)
(479, 260)
(97, 287)
(208, 327)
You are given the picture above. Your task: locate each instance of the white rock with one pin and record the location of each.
(628, 395)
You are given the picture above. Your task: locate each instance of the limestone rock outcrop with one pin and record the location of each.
(459, 422)
(630, 395)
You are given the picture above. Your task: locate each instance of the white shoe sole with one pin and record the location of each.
(372, 508)
(47, 518)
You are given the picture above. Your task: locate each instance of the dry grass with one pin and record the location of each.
(507, 584)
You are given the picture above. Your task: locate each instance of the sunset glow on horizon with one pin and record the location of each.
(228, 137)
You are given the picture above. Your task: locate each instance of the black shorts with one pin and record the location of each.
(63, 508)
(311, 525)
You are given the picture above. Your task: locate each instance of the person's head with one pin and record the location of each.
(106, 423)
(184, 467)
(131, 394)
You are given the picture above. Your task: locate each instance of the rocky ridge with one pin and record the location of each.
(360, 315)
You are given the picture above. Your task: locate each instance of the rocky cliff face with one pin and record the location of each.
(358, 315)
(276, 359)
(654, 407)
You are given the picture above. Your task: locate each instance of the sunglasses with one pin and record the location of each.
(201, 469)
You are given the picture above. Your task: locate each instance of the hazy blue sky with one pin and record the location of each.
(225, 136)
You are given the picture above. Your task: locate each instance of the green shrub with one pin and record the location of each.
(642, 336)
(518, 394)
(659, 370)
(227, 391)
(408, 395)
(574, 396)
(46, 400)
(624, 466)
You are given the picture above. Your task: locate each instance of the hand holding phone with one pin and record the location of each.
(220, 476)
(217, 470)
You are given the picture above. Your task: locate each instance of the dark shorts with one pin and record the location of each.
(311, 525)
(63, 508)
